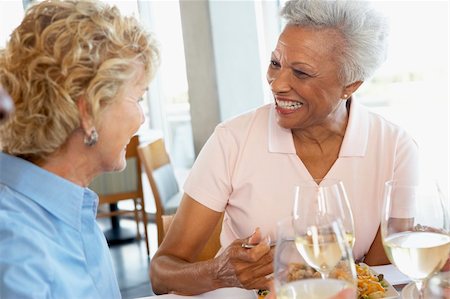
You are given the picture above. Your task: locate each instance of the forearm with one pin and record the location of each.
(169, 274)
(376, 255)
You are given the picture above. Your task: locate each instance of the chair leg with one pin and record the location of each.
(136, 219)
(144, 219)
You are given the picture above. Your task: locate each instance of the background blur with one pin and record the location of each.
(215, 54)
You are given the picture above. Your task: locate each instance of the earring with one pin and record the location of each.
(345, 96)
(91, 140)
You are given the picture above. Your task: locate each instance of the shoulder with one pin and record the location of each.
(25, 264)
(24, 225)
(19, 236)
(386, 129)
(239, 127)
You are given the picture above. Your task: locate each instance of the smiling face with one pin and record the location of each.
(118, 122)
(303, 76)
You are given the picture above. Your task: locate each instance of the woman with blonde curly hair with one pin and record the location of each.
(75, 71)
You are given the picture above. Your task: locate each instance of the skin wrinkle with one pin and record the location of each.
(230, 269)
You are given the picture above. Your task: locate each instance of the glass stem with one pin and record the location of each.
(324, 275)
(420, 289)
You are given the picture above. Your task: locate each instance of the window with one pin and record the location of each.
(411, 88)
(11, 14)
(167, 105)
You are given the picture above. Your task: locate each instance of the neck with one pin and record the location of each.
(331, 129)
(71, 161)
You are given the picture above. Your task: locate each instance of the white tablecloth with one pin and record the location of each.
(225, 293)
(391, 273)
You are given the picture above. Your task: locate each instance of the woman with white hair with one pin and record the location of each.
(314, 129)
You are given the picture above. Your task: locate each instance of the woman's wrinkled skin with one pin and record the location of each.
(235, 266)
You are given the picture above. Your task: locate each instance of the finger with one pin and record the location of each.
(261, 283)
(254, 274)
(251, 255)
(255, 238)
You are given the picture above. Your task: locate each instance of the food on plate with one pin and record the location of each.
(262, 293)
(370, 286)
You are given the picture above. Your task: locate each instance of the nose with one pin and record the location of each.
(279, 80)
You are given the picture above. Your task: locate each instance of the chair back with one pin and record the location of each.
(162, 179)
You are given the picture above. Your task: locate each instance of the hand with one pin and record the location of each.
(246, 268)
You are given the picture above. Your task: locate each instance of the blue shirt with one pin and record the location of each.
(50, 243)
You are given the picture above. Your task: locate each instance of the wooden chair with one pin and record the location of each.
(126, 185)
(163, 183)
(211, 247)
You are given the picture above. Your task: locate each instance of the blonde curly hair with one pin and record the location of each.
(61, 51)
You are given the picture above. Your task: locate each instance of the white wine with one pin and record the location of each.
(418, 254)
(312, 289)
(322, 254)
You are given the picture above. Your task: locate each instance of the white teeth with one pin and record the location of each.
(289, 104)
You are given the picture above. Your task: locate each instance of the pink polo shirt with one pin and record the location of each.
(248, 168)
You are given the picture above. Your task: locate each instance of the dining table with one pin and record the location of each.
(391, 274)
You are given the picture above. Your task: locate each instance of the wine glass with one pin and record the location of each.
(325, 198)
(415, 230)
(295, 279)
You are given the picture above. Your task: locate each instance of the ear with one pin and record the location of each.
(350, 89)
(86, 119)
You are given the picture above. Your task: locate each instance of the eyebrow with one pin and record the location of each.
(273, 54)
(301, 63)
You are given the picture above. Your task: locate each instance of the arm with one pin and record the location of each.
(376, 254)
(174, 270)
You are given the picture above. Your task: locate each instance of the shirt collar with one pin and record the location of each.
(357, 133)
(58, 196)
(355, 139)
(280, 139)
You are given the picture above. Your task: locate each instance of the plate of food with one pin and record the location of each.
(372, 285)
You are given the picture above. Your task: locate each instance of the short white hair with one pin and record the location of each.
(364, 30)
